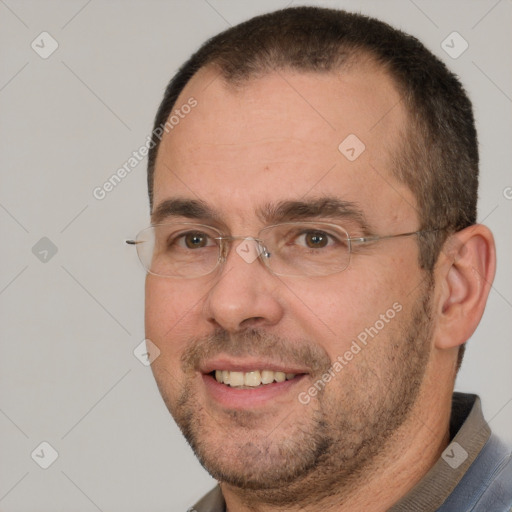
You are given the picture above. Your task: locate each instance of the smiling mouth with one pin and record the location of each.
(252, 379)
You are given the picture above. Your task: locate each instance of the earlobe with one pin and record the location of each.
(466, 272)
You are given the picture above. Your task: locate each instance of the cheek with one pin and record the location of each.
(336, 312)
(171, 311)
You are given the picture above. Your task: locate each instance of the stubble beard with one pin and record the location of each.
(329, 447)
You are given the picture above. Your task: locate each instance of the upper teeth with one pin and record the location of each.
(251, 379)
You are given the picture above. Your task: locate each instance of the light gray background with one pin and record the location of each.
(69, 325)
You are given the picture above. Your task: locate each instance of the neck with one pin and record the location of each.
(408, 455)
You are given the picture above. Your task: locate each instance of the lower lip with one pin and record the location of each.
(235, 398)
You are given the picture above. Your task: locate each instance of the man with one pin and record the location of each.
(314, 270)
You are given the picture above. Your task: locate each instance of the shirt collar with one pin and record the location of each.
(469, 432)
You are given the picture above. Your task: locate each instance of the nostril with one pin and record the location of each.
(253, 322)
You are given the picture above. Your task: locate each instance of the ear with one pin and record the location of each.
(464, 275)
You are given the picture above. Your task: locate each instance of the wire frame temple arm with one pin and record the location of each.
(374, 238)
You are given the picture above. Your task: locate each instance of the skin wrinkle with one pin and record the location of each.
(330, 460)
(284, 455)
(259, 141)
(272, 102)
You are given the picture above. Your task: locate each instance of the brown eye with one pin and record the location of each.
(195, 240)
(316, 239)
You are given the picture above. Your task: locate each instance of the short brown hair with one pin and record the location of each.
(438, 157)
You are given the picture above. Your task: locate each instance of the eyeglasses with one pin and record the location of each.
(187, 250)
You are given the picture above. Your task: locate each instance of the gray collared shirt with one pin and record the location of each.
(473, 474)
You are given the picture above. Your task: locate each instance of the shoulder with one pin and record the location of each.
(487, 485)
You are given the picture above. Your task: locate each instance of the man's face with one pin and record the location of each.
(272, 141)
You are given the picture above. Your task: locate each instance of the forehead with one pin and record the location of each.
(284, 136)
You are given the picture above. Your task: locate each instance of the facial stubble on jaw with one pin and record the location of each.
(328, 446)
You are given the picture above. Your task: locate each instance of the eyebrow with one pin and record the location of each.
(326, 208)
(178, 207)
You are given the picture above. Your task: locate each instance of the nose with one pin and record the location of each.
(245, 294)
